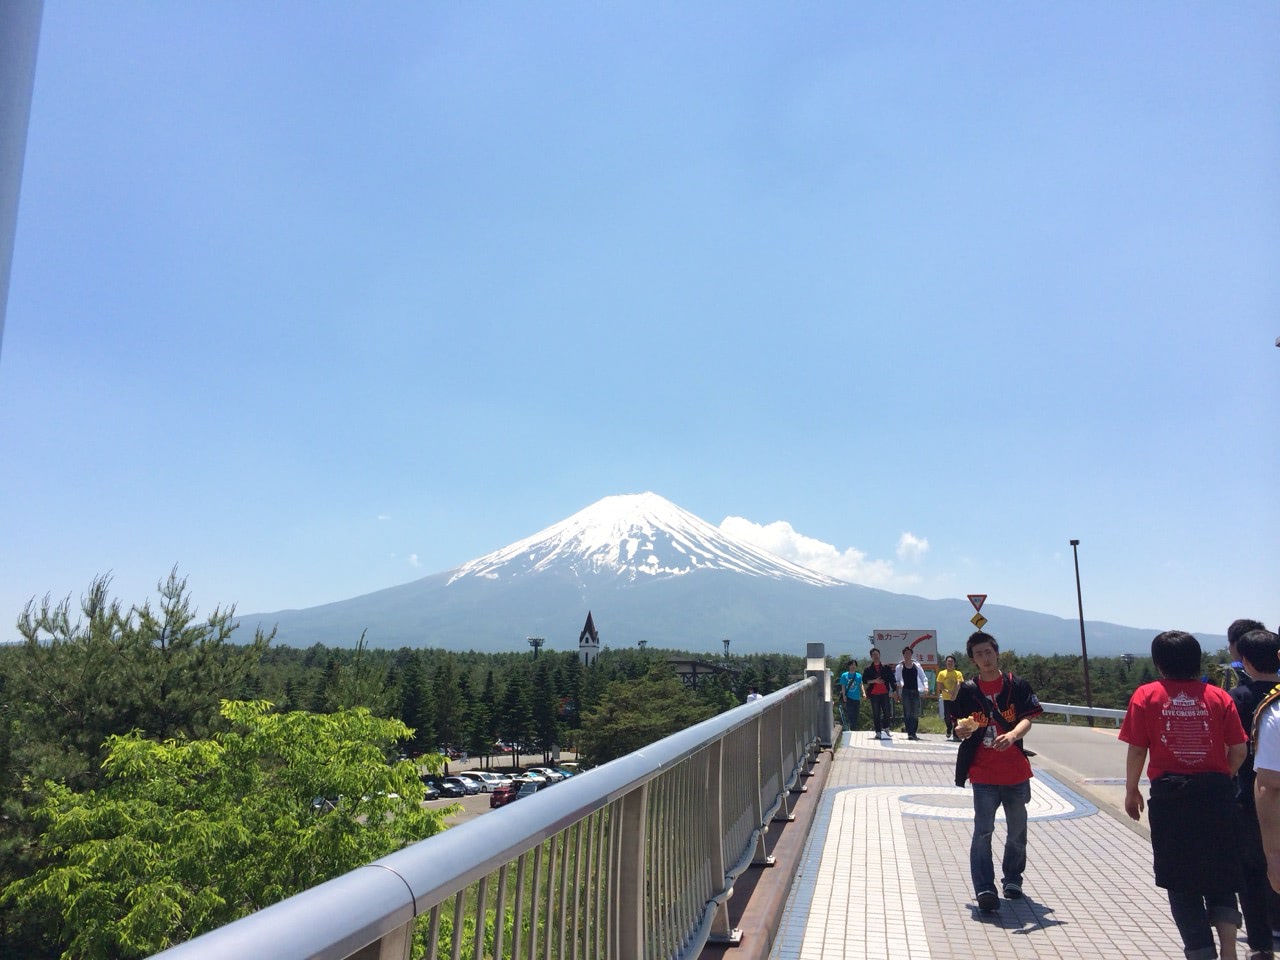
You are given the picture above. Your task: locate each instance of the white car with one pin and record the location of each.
(486, 779)
(550, 775)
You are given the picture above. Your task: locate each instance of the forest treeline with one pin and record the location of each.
(158, 771)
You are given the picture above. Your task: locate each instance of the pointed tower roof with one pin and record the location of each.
(589, 631)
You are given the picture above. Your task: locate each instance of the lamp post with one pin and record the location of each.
(1084, 650)
(536, 643)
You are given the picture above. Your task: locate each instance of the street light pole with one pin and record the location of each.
(1084, 650)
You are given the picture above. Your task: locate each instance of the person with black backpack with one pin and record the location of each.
(1259, 655)
(994, 712)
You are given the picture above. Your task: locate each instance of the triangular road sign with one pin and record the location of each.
(977, 599)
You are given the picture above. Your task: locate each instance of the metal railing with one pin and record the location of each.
(635, 859)
(1071, 710)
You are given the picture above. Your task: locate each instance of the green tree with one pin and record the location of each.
(158, 670)
(448, 703)
(634, 713)
(413, 702)
(186, 835)
(516, 715)
(546, 726)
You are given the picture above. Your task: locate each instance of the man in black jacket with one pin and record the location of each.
(993, 714)
(880, 685)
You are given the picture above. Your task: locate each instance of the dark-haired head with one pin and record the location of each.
(1176, 654)
(1239, 628)
(976, 638)
(1260, 649)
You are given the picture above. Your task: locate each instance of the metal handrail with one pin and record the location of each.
(1071, 710)
(636, 858)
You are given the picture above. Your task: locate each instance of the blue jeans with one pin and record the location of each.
(911, 711)
(1195, 915)
(987, 798)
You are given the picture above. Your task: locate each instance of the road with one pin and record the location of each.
(1090, 760)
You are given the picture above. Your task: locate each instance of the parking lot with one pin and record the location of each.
(478, 804)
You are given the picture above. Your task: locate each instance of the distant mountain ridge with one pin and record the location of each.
(649, 570)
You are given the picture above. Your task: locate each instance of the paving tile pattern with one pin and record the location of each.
(885, 872)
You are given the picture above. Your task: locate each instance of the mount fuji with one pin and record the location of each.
(648, 570)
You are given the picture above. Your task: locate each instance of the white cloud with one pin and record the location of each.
(911, 547)
(850, 564)
(384, 516)
(413, 560)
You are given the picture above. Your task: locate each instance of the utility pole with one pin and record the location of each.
(1084, 650)
(536, 643)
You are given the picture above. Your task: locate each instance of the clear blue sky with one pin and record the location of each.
(312, 299)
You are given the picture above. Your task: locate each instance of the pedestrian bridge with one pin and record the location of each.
(751, 835)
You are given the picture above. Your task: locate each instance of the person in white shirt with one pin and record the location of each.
(912, 684)
(1266, 784)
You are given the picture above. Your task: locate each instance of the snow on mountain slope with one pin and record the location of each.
(635, 536)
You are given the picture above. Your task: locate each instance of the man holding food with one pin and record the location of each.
(994, 712)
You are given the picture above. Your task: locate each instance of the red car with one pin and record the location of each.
(502, 795)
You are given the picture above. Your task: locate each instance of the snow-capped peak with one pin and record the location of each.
(634, 536)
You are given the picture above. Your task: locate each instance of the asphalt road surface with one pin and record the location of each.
(1090, 760)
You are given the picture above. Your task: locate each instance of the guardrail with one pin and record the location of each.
(1072, 710)
(635, 859)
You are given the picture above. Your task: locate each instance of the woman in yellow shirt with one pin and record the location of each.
(949, 680)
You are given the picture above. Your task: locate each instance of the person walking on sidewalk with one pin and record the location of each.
(949, 680)
(912, 684)
(1196, 743)
(1266, 785)
(879, 683)
(995, 711)
(1259, 653)
(851, 694)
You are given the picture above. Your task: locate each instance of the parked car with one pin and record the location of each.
(475, 777)
(430, 791)
(528, 789)
(550, 774)
(447, 789)
(469, 787)
(566, 773)
(488, 777)
(502, 794)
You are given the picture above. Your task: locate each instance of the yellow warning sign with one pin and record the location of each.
(978, 620)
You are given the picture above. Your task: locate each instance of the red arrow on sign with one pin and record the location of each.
(977, 599)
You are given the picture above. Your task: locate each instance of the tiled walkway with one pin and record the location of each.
(885, 872)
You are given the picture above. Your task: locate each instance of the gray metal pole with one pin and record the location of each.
(1084, 650)
(19, 41)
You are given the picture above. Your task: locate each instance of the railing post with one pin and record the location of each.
(632, 867)
(722, 929)
(816, 665)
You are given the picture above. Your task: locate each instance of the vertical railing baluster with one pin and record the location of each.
(433, 933)
(517, 926)
(481, 910)
(500, 913)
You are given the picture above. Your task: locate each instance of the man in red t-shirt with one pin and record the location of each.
(993, 714)
(1196, 743)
